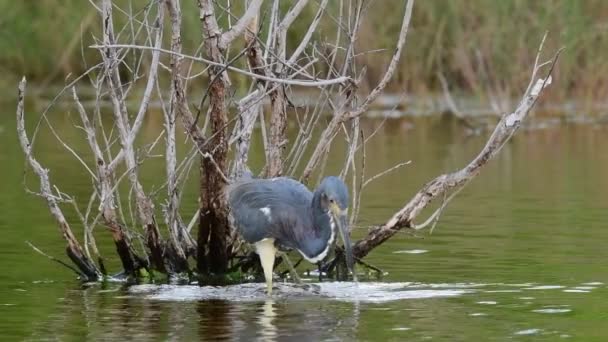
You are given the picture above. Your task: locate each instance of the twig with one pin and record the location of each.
(391, 169)
(302, 83)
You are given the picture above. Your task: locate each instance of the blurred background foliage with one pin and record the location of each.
(481, 47)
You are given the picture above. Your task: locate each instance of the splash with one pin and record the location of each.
(340, 291)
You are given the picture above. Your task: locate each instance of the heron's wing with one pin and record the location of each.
(269, 208)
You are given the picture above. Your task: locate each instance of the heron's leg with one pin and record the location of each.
(266, 250)
(320, 269)
(292, 269)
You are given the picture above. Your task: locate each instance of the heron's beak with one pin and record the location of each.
(340, 217)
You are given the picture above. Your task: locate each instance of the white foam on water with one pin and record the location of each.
(552, 310)
(545, 287)
(593, 283)
(528, 332)
(384, 292)
(519, 285)
(372, 292)
(401, 329)
(478, 314)
(315, 273)
(585, 288)
(446, 285)
(411, 251)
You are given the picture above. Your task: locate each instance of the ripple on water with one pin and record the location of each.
(373, 292)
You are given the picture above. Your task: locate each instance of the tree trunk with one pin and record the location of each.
(213, 229)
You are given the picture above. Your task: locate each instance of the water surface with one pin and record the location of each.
(520, 254)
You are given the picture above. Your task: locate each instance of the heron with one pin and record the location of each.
(282, 214)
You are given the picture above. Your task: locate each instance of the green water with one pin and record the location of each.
(526, 240)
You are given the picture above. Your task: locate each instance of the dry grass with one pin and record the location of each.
(482, 47)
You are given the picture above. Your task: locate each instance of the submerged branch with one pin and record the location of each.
(59, 261)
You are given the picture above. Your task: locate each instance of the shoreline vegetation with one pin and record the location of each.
(471, 51)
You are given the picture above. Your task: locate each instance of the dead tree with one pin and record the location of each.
(251, 48)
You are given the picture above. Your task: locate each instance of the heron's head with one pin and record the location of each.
(334, 200)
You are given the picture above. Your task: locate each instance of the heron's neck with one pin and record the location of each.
(315, 245)
(320, 217)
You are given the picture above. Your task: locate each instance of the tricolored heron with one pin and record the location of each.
(282, 212)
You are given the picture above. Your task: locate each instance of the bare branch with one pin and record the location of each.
(388, 75)
(249, 108)
(311, 30)
(238, 29)
(145, 207)
(145, 101)
(506, 127)
(389, 170)
(107, 202)
(291, 16)
(74, 249)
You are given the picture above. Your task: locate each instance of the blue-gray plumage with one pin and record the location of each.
(283, 212)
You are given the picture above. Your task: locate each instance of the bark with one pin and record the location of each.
(213, 229)
(249, 108)
(180, 242)
(277, 141)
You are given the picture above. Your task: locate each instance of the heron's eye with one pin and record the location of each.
(332, 201)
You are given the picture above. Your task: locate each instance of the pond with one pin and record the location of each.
(520, 254)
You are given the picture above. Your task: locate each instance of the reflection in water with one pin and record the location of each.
(268, 331)
(215, 320)
(118, 314)
(151, 312)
